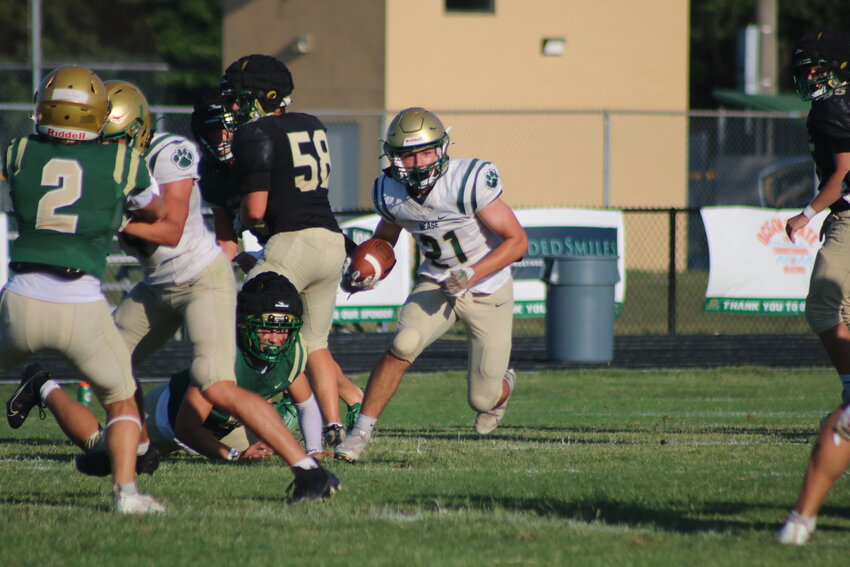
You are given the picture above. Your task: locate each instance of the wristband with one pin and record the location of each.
(809, 212)
(234, 454)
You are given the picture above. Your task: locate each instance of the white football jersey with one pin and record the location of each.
(172, 158)
(445, 226)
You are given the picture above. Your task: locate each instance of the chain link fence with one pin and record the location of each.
(658, 168)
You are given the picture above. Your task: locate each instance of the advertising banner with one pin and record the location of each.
(755, 268)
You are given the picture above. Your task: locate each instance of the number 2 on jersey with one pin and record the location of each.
(320, 169)
(66, 176)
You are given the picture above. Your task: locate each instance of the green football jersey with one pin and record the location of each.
(267, 384)
(69, 199)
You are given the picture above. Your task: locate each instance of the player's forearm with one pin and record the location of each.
(164, 232)
(203, 442)
(506, 253)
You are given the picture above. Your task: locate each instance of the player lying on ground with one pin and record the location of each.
(271, 360)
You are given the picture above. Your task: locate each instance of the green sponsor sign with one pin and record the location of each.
(363, 313)
(755, 306)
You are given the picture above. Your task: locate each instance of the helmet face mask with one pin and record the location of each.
(209, 128)
(820, 64)
(71, 104)
(129, 117)
(412, 130)
(268, 303)
(251, 327)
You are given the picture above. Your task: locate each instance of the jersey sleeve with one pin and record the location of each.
(253, 148)
(481, 187)
(176, 160)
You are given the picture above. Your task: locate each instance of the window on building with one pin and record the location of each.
(471, 6)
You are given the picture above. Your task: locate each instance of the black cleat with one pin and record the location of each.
(312, 484)
(97, 463)
(27, 396)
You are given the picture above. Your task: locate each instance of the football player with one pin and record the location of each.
(821, 68)
(285, 163)
(270, 360)
(468, 238)
(69, 192)
(189, 282)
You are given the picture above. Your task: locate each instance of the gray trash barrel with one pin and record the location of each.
(580, 307)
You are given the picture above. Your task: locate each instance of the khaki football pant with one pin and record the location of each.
(429, 313)
(206, 306)
(828, 301)
(83, 332)
(312, 260)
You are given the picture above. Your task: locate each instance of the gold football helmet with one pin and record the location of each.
(129, 117)
(71, 104)
(415, 129)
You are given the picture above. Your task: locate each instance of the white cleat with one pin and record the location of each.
(797, 530)
(136, 504)
(352, 446)
(487, 421)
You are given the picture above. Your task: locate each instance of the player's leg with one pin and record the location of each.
(425, 316)
(489, 322)
(311, 480)
(312, 260)
(828, 300)
(830, 458)
(309, 414)
(98, 351)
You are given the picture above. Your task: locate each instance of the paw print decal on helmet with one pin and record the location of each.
(182, 157)
(491, 179)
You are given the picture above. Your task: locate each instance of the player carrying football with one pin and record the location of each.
(468, 238)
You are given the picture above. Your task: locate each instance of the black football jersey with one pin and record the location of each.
(220, 184)
(829, 133)
(288, 156)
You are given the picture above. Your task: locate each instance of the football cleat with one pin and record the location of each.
(487, 421)
(137, 503)
(312, 484)
(353, 445)
(97, 463)
(797, 530)
(352, 415)
(27, 395)
(333, 434)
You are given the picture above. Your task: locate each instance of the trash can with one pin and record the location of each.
(580, 307)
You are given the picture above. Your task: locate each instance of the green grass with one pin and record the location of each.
(602, 467)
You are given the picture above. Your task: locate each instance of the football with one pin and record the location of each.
(372, 258)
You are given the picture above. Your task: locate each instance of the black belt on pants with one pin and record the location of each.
(35, 267)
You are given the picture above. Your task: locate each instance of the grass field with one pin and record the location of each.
(608, 467)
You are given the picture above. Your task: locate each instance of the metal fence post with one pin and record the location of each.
(671, 276)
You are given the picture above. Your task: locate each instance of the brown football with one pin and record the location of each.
(373, 257)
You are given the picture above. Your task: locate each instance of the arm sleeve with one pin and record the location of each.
(254, 150)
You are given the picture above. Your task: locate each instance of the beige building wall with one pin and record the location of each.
(542, 119)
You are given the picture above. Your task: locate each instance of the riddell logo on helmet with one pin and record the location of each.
(414, 140)
(66, 134)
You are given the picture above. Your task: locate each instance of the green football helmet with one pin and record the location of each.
(71, 104)
(268, 302)
(416, 129)
(130, 116)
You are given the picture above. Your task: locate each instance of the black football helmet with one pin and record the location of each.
(415, 129)
(268, 301)
(208, 124)
(254, 86)
(821, 63)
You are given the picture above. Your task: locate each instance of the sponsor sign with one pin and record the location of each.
(755, 268)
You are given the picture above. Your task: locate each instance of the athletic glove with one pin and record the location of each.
(458, 281)
(352, 282)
